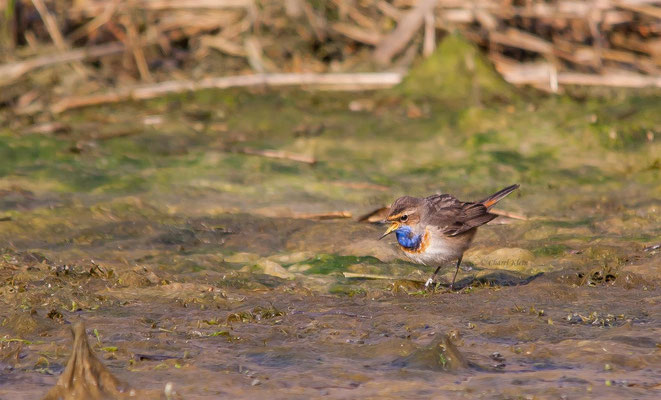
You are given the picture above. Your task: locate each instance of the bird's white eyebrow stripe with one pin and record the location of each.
(396, 216)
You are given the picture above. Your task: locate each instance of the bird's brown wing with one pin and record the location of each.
(452, 216)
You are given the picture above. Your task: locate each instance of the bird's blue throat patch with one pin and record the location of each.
(407, 239)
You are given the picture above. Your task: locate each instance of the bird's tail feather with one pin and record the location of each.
(496, 197)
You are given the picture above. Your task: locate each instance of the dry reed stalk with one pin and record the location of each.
(542, 73)
(192, 4)
(10, 72)
(135, 45)
(429, 44)
(55, 34)
(96, 23)
(357, 81)
(396, 41)
(221, 44)
(641, 7)
(570, 35)
(355, 33)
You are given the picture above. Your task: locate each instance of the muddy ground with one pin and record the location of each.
(195, 264)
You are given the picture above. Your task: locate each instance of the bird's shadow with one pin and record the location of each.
(496, 278)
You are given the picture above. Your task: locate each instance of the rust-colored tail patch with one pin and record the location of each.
(498, 196)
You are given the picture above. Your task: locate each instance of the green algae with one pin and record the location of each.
(346, 290)
(149, 229)
(551, 250)
(456, 73)
(329, 263)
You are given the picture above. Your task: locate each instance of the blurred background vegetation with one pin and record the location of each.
(52, 50)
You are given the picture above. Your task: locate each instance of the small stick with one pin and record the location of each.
(613, 79)
(220, 43)
(279, 154)
(324, 215)
(55, 34)
(317, 23)
(51, 25)
(429, 43)
(522, 40)
(389, 10)
(352, 81)
(96, 23)
(358, 34)
(539, 73)
(12, 71)
(652, 11)
(375, 216)
(508, 214)
(374, 276)
(253, 50)
(136, 48)
(396, 41)
(193, 4)
(356, 15)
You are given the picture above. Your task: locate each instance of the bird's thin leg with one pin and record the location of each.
(430, 281)
(455, 273)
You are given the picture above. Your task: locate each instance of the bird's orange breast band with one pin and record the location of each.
(424, 244)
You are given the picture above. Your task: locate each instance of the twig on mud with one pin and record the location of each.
(375, 216)
(385, 277)
(279, 154)
(349, 82)
(508, 214)
(324, 215)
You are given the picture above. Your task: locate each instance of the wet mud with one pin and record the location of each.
(200, 271)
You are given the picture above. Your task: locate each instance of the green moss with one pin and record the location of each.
(328, 263)
(346, 290)
(457, 73)
(550, 250)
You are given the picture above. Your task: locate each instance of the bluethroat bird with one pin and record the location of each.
(439, 228)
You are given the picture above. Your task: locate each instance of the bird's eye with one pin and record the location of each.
(403, 218)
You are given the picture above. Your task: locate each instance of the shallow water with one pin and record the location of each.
(192, 263)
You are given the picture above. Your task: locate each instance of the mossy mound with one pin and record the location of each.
(456, 73)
